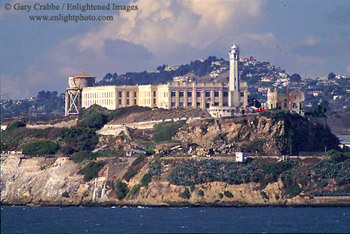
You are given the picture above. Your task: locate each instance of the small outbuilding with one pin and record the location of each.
(240, 157)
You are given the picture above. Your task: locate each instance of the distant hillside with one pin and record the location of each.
(209, 69)
(164, 73)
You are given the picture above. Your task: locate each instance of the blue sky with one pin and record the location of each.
(309, 37)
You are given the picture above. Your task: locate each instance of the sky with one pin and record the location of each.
(308, 37)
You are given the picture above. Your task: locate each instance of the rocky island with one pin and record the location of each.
(140, 156)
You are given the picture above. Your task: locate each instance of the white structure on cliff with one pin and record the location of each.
(220, 99)
(234, 87)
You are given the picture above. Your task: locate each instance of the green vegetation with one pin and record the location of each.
(40, 148)
(192, 187)
(15, 137)
(200, 193)
(146, 179)
(264, 195)
(333, 192)
(97, 116)
(82, 156)
(228, 194)
(199, 68)
(134, 168)
(77, 139)
(94, 120)
(199, 172)
(121, 190)
(91, 170)
(134, 191)
(155, 169)
(330, 171)
(337, 156)
(46, 105)
(165, 131)
(15, 124)
(185, 194)
(290, 183)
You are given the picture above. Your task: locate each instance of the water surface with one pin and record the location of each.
(178, 220)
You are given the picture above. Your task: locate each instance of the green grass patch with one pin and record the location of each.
(166, 131)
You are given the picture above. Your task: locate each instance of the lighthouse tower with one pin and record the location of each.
(234, 91)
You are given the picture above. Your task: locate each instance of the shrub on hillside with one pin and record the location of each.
(79, 157)
(78, 139)
(15, 124)
(40, 147)
(91, 170)
(228, 194)
(200, 193)
(121, 190)
(185, 194)
(134, 168)
(134, 191)
(94, 118)
(146, 179)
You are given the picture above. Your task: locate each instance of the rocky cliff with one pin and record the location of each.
(275, 134)
(187, 163)
(56, 181)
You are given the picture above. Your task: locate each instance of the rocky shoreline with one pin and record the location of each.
(39, 181)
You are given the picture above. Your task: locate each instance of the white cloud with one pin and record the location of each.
(263, 39)
(168, 31)
(10, 87)
(348, 69)
(310, 40)
(162, 25)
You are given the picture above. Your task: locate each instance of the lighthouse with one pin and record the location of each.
(234, 91)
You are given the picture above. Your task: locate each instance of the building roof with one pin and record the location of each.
(83, 74)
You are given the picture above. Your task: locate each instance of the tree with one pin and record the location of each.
(121, 190)
(331, 76)
(107, 77)
(295, 78)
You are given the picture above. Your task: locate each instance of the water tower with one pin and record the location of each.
(73, 92)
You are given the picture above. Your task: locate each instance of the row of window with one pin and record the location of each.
(127, 102)
(98, 95)
(189, 104)
(120, 94)
(198, 94)
(99, 102)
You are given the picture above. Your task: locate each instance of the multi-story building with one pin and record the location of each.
(289, 100)
(219, 98)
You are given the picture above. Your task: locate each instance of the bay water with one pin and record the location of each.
(21, 219)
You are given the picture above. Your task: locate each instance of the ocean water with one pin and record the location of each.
(344, 138)
(174, 220)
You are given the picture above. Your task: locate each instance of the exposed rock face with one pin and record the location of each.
(288, 135)
(40, 181)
